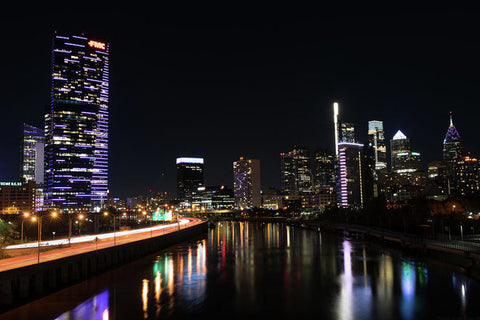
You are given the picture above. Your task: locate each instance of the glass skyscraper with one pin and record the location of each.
(452, 144)
(350, 184)
(32, 154)
(246, 183)
(33, 146)
(376, 139)
(76, 124)
(296, 174)
(189, 178)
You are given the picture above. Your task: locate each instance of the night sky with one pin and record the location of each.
(252, 82)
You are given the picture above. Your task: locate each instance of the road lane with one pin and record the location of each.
(75, 248)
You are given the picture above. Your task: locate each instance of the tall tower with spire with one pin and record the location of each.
(452, 144)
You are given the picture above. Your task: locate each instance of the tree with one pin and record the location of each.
(7, 235)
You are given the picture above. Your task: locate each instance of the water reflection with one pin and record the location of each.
(408, 291)
(95, 308)
(246, 269)
(145, 298)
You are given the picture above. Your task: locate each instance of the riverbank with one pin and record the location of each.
(459, 256)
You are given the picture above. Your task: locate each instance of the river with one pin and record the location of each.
(268, 271)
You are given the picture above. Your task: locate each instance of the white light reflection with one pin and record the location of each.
(145, 298)
(345, 306)
(408, 291)
(158, 292)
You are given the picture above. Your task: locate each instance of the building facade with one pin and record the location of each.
(376, 139)
(452, 144)
(17, 197)
(246, 183)
(296, 172)
(466, 172)
(406, 179)
(350, 192)
(347, 132)
(33, 146)
(76, 125)
(189, 178)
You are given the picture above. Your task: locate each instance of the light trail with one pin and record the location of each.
(92, 237)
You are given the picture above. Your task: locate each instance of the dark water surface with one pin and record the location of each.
(267, 270)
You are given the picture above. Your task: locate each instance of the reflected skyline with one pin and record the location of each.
(246, 269)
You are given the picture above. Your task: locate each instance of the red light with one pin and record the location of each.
(222, 187)
(96, 44)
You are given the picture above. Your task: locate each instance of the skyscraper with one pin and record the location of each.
(246, 183)
(189, 178)
(287, 173)
(376, 139)
(350, 185)
(32, 154)
(452, 144)
(323, 168)
(296, 173)
(401, 158)
(33, 161)
(76, 124)
(406, 179)
(467, 176)
(347, 133)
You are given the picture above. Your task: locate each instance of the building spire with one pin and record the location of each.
(451, 118)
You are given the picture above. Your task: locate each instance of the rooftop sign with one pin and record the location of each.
(96, 44)
(190, 160)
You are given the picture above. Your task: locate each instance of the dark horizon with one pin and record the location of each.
(231, 85)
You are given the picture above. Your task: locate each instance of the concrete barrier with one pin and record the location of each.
(18, 286)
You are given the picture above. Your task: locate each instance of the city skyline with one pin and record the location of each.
(280, 88)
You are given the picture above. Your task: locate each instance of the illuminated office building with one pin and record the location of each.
(296, 174)
(350, 192)
(32, 154)
(452, 144)
(287, 173)
(347, 132)
(466, 176)
(189, 178)
(17, 197)
(246, 183)
(406, 179)
(403, 160)
(33, 146)
(376, 139)
(76, 124)
(323, 169)
(437, 183)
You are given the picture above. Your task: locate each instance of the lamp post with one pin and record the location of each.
(69, 227)
(114, 227)
(39, 225)
(39, 228)
(25, 215)
(80, 218)
(114, 232)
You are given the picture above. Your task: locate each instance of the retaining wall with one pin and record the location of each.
(24, 284)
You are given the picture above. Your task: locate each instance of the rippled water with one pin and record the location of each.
(268, 270)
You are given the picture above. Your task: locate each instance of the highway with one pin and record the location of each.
(60, 248)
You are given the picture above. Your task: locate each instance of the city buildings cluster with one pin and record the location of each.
(65, 164)
(67, 160)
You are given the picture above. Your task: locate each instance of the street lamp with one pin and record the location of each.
(114, 228)
(39, 227)
(25, 215)
(80, 218)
